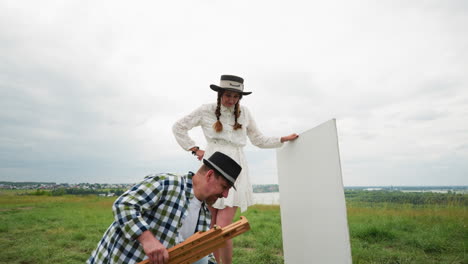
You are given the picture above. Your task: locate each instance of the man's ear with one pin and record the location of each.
(209, 174)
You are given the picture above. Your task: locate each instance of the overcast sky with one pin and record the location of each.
(89, 90)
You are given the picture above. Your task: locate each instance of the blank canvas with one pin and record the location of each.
(313, 208)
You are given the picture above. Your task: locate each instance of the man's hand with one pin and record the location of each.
(156, 252)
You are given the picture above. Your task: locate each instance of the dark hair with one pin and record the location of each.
(218, 126)
(204, 168)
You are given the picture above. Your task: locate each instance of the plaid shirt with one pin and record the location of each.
(158, 204)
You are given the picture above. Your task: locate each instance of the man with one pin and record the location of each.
(156, 214)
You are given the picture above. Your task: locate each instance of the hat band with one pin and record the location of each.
(229, 178)
(232, 85)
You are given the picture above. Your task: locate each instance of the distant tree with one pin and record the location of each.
(58, 192)
(415, 198)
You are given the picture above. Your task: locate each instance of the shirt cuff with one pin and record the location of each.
(134, 228)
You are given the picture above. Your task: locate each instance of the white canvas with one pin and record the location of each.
(313, 208)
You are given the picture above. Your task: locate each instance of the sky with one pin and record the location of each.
(89, 90)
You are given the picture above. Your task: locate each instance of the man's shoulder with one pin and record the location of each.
(168, 178)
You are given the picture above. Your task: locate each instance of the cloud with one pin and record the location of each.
(89, 91)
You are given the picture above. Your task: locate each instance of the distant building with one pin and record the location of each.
(373, 189)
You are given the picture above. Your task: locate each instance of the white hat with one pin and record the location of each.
(231, 83)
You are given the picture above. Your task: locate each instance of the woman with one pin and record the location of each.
(226, 126)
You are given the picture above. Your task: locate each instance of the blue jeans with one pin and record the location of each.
(202, 261)
(206, 260)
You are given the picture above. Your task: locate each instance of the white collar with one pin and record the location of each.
(225, 109)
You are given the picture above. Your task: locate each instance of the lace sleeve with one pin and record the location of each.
(182, 126)
(257, 138)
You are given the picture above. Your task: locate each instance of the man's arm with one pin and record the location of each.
(128, 212)
(156, 251)
(201, 244)
(129, 207)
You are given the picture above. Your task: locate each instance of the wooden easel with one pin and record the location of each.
(201, 244)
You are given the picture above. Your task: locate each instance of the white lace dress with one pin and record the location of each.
(228, 141)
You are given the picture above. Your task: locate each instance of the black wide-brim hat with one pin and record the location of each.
(224, 166)
(230, 83)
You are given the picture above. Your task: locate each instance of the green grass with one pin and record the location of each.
(407, 234)
(65, 229)
(263, 243)
(44, 229)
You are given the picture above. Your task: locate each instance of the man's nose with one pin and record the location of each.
(225, 193)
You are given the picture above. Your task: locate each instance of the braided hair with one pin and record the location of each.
(218, 126)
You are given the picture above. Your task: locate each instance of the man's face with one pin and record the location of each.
(217, 188)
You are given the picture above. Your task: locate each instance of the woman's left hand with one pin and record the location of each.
(200, 153)
(289, 138)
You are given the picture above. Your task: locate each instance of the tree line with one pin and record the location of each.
(416, 198)
(77, 191)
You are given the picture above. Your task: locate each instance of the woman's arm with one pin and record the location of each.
(182, 126)
(256, 136)
(196, 151)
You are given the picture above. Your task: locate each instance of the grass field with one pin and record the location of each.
(65, 229)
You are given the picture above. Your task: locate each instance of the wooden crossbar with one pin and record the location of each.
(201, 244)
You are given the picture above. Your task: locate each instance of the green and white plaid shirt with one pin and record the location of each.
(158, 204)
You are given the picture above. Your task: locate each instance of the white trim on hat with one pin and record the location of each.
(224, 174)
(231, 85)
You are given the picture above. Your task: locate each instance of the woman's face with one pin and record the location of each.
(230, 99)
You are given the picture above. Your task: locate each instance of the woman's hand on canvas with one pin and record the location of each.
(289, 138)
